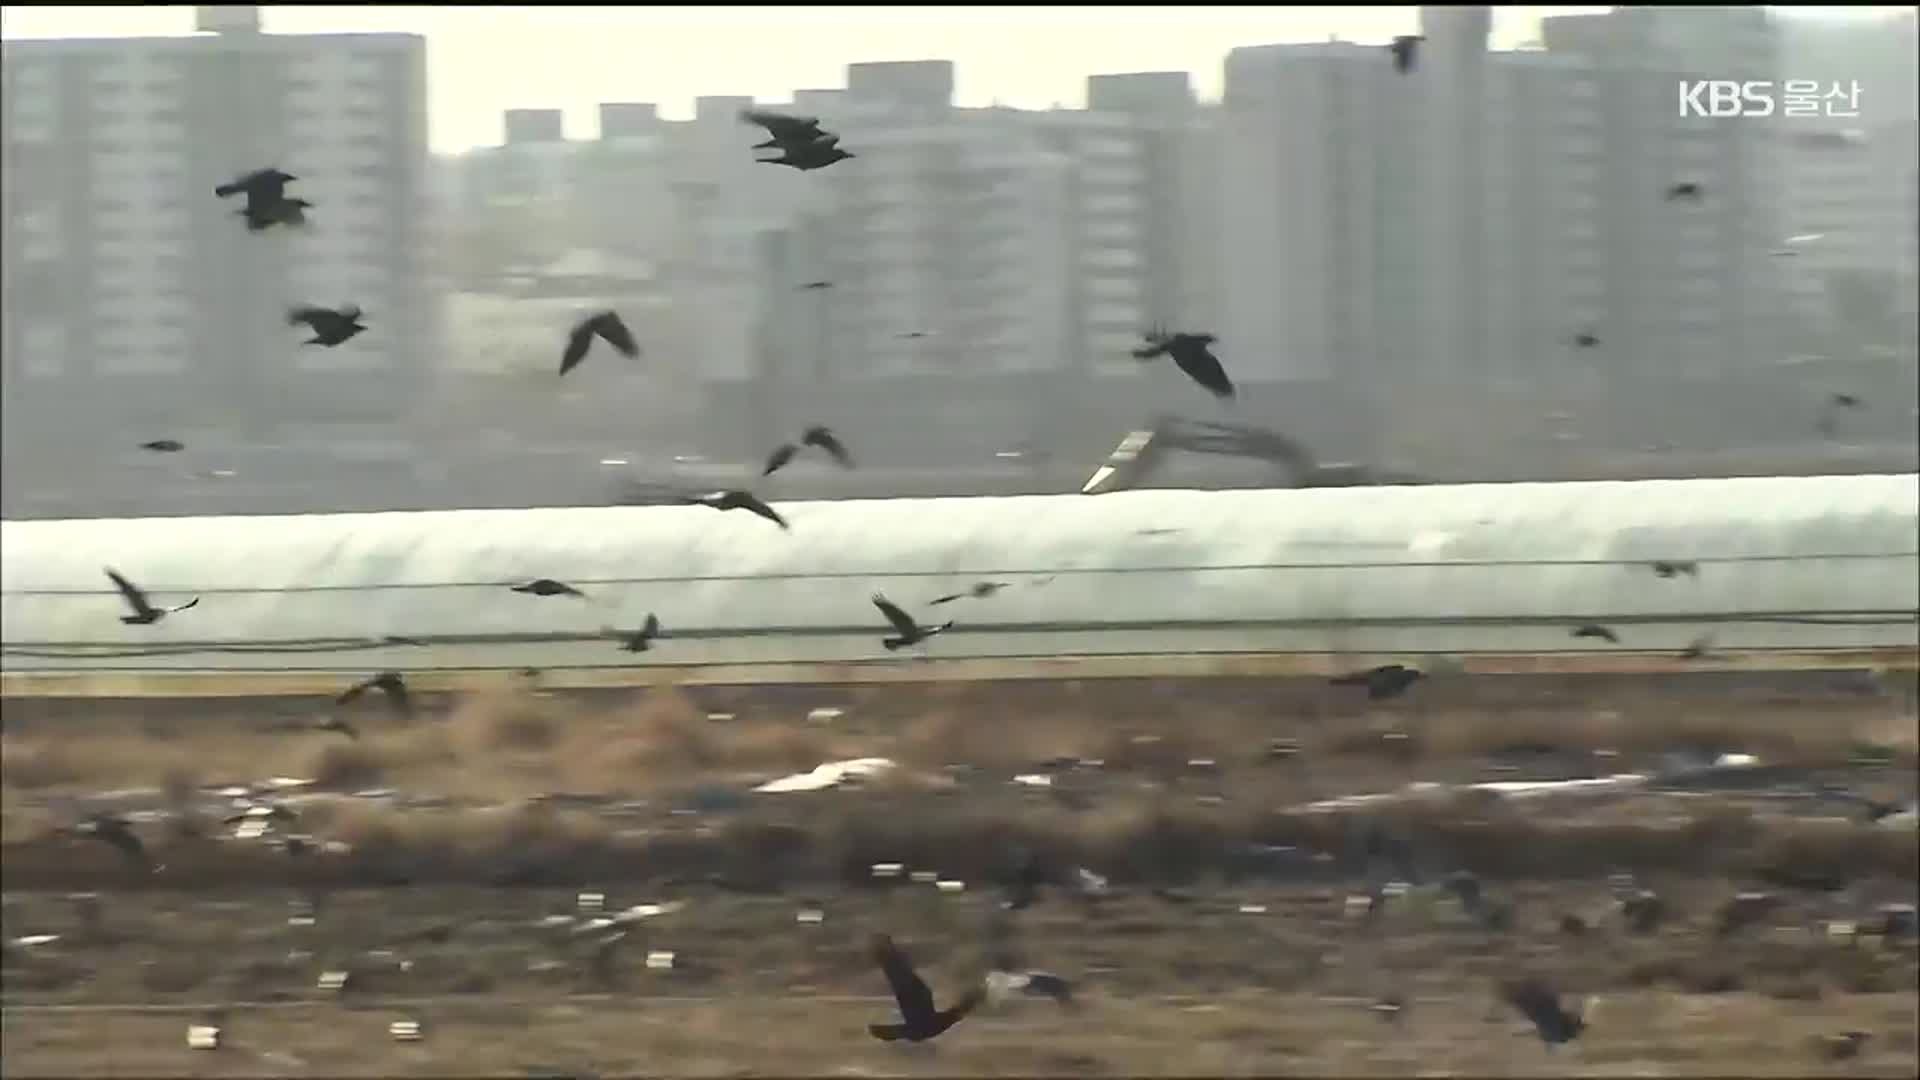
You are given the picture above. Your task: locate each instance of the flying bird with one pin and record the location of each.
(787, 131)
(263, 215)
(1595, 630)
(818, 285)
(980, 591)
(1585, 340)
(1685, 190)
(164, 446)
(738, 500)
(330, 327)
(816, 435)
(920, 1021)
(808, 158)
(642, 639)
(1829, 423)
(1385, 681)
(387, 682)
(1405, 50)
(114, 831)
(1668, 568)
(606, 325)
(1538, 1003)
(266, 185)
(1190, 354)
(144, 612)
(909, 631)
(1697, 648)
(548, 587)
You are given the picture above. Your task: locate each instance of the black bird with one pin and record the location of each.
(387, 682)
(1829, 425)
(606, 325)
(818, 285)
(1585, 340)
(164, 446)
(1668, 568)
(980, 591)
(1405, 50)
(1542, 1006)
(642, 639)
(1385, 681)
(808, 158)
(1844, 401)
(738, 500)
(114, 831)
(1595, 630)
(263, 185)
(903, 624)
(144, 612)
(823, 437)
(263, 215)
(330, 327)
(779, 458)
(1190, 354)
(920, 1021)
(787, 131)
(548, 587)
(1685, 190)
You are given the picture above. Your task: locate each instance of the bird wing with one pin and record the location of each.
(901, 621)
(577, 344)
(749, 502)
(949, 598)
(781, 126)
(780, 456)
(910, 992)
(183, 607)
(652, 626)
(825, 440)
(1204, 368)
(396, 690)
(1357, 678)
(1534, 1000)
(609, 326)
(968, 1002)
(310, 316)
(135, 598)
(355, 691)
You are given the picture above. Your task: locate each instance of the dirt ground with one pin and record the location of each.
(1211, 955)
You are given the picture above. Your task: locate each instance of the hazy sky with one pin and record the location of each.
(483, 60)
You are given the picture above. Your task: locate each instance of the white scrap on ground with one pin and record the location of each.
(831, 774)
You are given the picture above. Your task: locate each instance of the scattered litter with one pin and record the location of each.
(887, 869)
(719, 717)
(1034, 780)
(286, 783)
(1841, 929)
(1253, 909)
(590, 901)
(825, 716)
(203, 1037)
(949, 886)
(32, 940)
(925, 877)
(1203, 764)
(555, 922)
(334, 980)
(404, 1030)
(810, 916)
(660, 961)
(831, 774)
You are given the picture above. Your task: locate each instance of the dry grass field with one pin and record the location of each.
(1214, 953)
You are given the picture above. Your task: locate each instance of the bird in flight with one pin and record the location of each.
(909, 631)
(279, 212)
(1595, 630)
(606, 325)
(818, 285)
(144, 612)
(387, 682)
(1406, 51)
(1686, 190)
(737, 500)
(1385, 681)
(980, 591)
(164, 446)
(330, 327)
(267, 185)
(114, 831)
(787, 131)
(548, 587)
(816, 435)
(1668, 568)
(1698, 648)
(809, 158)
(1190, 354)
(920, 1021)
(642, 639)
(1584, 340)
(1538, 1003)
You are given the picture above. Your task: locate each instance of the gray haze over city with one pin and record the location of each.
(1517, 259)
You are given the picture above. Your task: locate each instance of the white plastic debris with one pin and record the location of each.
(950, 886)
(334, 980)
(810, 916)
(719, 717)
(1357, 905)
(830, 774)
(590, 901)
(925, 877)
(203, 1037)
(824, 715)
(404, 1030)
(1841, 929)
(660, 960)
(887, 869)
(32, 940)
(250, 829)
(1253, 909)
(286, 783)
(1034, 780)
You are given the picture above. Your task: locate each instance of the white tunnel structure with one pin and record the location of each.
(1787, 566)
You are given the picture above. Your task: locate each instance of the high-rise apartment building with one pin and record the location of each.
(131, 288)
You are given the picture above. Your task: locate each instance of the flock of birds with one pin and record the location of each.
(805, 146)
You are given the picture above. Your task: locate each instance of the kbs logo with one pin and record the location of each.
(1725, 97)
